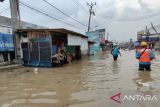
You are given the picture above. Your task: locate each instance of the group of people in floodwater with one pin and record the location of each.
(143, 54)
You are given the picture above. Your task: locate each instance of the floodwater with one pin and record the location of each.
(86, 83)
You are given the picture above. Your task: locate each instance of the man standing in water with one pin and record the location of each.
(145, 56)
(115, 52)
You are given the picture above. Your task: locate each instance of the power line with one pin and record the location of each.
(44, 13)
(86, 2)
(4, 10)
(129, 19)
(64, 13)
(141, 18)
(132, 19)
(86, 11)
(79, 5)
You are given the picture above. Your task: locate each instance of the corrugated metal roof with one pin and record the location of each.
(61, 30)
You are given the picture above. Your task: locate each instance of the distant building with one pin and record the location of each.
(25, 25)
(151, 37)
(97, 36)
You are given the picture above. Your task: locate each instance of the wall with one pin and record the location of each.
(77, 40)
(5, 29)
(84, 46)
(5, 21)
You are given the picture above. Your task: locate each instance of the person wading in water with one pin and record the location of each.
(115, 52)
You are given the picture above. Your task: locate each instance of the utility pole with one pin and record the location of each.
(156, 34)
(154, 28)
(107, 36)
(15, 17)
(91, 12)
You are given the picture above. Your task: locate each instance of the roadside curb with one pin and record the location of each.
(5, 67)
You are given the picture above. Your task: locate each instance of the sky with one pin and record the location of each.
(121, 18)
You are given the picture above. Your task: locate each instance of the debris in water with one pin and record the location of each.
(36, 70)
(27, 70)
(144, 84)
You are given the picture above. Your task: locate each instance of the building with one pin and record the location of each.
(108, 45)
(91, 47)
(25, 25)
(37, 46)
(151, 36)
(7, 48)
(97, 36)
(6, 44)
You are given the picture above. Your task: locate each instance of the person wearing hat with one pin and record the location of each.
(115, 52)
(145, 57)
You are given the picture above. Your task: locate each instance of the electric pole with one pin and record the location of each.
(15, 17)
(107, 36)
(91, 12)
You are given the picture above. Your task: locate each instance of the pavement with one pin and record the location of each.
(6, 66)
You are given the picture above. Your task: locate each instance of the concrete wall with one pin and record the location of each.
(5, 21)
(84, 46)
(77, 40)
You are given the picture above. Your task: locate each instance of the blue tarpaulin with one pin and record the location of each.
(6, 42)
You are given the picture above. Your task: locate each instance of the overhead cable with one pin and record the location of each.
(44, 13)
(64, 13)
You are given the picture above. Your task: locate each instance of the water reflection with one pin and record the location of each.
(115, 67)
(144, 82)
(145, 76)
(85, 83)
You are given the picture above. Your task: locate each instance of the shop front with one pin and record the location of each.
(6, 45)
(51, 47)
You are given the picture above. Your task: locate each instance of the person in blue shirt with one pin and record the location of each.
(115, 52)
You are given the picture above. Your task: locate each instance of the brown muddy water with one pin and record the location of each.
(86, 83)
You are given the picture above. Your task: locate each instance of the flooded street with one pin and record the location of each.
(86, 83)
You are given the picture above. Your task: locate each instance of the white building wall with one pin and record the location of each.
(77, 40)
(5, 29)
(84, 46)
(74, 40)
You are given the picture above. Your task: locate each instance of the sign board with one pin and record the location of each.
(101, 33)
(6, 39)
(93, 36)
(97, 36)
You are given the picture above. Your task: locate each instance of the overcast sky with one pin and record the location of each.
(121, 18)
